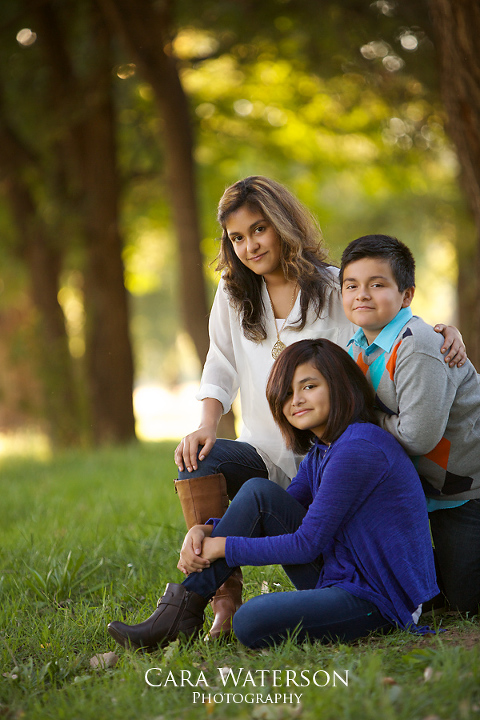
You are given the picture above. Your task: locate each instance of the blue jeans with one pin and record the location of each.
(262, 508)
(456, 536)
(238, 461)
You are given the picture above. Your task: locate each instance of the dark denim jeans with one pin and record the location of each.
(238, 461)
(263, 508)
(456, 536)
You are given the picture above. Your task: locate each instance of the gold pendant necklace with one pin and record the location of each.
(280, 346)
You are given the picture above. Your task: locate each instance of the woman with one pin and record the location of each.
(276, 288)
(351, 530)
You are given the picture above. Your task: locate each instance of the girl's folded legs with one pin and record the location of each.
(319, 614)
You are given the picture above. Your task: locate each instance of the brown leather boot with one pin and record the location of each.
(202, 498)
(179, 612)
(225, 604)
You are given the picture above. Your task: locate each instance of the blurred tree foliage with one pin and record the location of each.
(119, 121)
(456, 26)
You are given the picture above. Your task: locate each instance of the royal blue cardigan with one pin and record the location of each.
(366, 515)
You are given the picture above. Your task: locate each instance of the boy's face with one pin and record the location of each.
(370, 295)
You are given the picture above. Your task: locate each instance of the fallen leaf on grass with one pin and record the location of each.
(105, 660)
(171, 650)
(209, 706)
(12, 675)
(388, 681)
(428, 673)
(8, 712)
(225, 672)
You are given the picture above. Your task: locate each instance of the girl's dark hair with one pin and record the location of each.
(351, 397)
(303, 258)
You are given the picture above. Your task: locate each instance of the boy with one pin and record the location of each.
(432, 409)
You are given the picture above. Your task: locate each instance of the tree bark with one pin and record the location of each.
(85, 109)
(109, 355)
(144, 29)
(457, 28)
(43, 259)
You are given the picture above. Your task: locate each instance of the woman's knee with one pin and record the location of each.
(207, 466)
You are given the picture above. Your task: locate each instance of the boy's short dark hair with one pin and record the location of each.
(384, 247)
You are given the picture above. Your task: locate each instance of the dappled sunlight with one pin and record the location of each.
(435, 295)
(148, 259)
(166, 413)
(25, 443)
(193, 43)
(161, 413)
(70, 297)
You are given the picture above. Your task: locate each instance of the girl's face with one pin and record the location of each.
(307, 406)
(255, 241)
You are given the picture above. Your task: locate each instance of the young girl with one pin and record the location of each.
(351, 530)
(276, 288)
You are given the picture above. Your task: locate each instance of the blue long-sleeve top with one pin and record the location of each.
(367, 517)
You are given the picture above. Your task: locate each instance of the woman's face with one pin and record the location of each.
(307, 406)
(255, 241)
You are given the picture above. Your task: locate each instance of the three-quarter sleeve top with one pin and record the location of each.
(235, 363)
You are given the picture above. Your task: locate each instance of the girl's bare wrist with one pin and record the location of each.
(220, 547)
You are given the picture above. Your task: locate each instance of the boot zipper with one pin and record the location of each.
(181, 609)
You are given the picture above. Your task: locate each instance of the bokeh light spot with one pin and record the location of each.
(26, 37)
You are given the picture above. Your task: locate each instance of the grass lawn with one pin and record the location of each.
(87, 537)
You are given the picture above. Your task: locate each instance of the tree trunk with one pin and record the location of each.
(109, 356)
(85, 110)
(457, 28)
(43, 260)
(144, 30)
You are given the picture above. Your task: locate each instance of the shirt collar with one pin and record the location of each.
(386, 337)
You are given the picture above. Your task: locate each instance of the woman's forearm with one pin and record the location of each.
(212, 411)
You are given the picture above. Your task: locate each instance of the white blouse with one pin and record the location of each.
(235, 363)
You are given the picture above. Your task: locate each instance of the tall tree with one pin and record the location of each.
(90, 138)
(77, 174)
(146, 30)
(457, 29)
(42, 255)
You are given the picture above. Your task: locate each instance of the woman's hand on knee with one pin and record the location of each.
(190, 554)
(187, 450)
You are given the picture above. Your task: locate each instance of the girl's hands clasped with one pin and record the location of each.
(199, 549)
(191, 559)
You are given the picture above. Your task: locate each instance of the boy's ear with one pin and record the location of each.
(408, 296)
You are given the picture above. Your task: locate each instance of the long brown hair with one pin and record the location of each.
(351, 397)
(303, 258)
